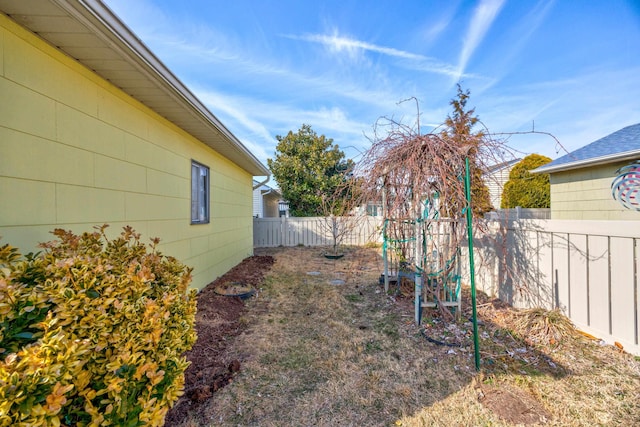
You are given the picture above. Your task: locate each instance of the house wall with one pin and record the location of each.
(257, 203)
(586, 194)
(495, 183)
(78, 152)
(265, 204)
(271, 206)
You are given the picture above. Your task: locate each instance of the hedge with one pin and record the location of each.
(93, 331)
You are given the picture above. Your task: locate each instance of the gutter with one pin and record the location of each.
(260, 184)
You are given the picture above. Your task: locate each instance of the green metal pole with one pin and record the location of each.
(467, 188)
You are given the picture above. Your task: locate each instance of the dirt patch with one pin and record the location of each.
(217, 322)
(513, 405)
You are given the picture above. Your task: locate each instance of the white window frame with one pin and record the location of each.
(200, 201)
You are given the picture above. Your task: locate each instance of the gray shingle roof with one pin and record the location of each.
(494, 168)
(620, 145)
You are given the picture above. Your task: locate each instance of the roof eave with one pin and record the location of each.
(106, 24)
(594, 161)
(500, 167)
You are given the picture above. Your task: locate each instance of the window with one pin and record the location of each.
(374, 209)
(199, 193)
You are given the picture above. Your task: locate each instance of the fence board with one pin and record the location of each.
(636, 288)
(622, 290)
(561, 271)
(545, 281)
(578, 306)
(599, 282)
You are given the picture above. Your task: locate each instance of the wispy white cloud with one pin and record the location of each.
(352, 47)
(483, 17)
(235, 61)
(257, 136)
(565, 109)
(518, 37)
(527, 27)
(431, 66)
(337, 43)
(433, 31)
(261, 83)
(223, 57)
(257, 122)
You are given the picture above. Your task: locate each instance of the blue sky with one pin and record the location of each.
(264, 67)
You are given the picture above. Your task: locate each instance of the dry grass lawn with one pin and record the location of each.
(325, 346)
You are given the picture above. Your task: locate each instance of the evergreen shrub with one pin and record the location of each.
(525, 189)
(93, 331)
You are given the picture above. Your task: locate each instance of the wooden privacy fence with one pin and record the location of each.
(313, 231)
(588, 269)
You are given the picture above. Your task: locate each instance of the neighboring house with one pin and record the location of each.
(266, 201)
(374, 209)
(581, 180)
(95, 129)
(495, 177)
(283, 208)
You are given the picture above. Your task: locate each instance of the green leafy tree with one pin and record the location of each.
(525, 189)
(308, 167)
(460, 126)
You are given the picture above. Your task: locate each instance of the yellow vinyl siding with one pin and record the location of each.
(17, 146)
(88, 205)
(17, 100)
(45, 73)
(79, 152)
(80, 130)
(26, 202)
(586, 194)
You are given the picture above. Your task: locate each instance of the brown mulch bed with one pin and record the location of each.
(217, 322)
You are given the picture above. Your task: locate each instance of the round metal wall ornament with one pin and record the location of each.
(625, 188)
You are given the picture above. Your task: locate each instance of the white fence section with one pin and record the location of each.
(313, 231)
(588, 269)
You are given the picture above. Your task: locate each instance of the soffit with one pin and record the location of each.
(89, 32)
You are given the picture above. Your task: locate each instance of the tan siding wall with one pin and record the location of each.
(586, 194)
(272, 207)
(78, 152)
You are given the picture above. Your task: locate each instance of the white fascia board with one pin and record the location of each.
(594, 161)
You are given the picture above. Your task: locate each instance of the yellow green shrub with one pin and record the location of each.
(92, 332)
